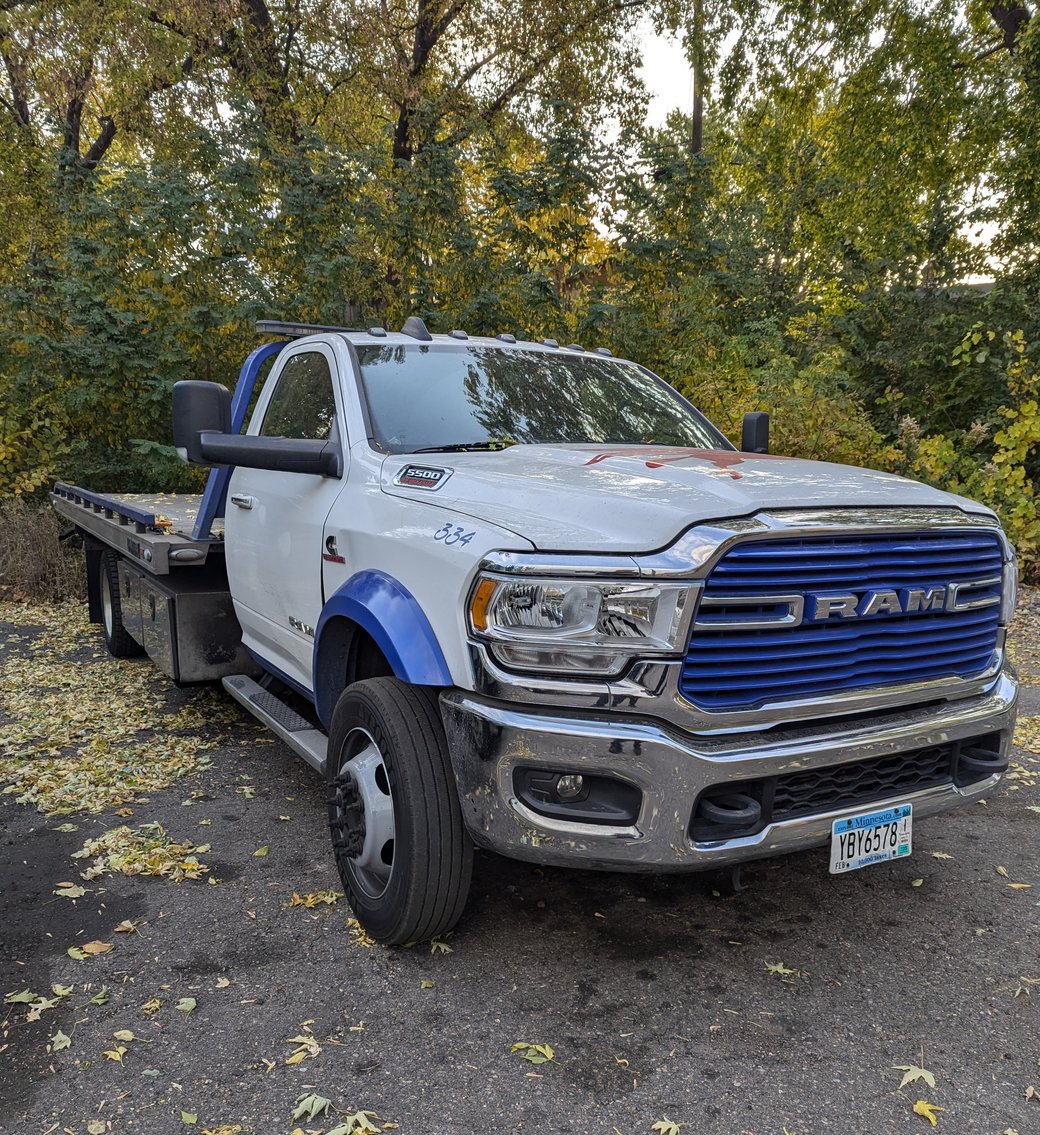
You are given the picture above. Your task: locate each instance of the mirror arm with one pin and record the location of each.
(287, 455)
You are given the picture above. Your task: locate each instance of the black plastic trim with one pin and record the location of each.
(745, 807)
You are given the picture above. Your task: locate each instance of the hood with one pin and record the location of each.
(640, 498)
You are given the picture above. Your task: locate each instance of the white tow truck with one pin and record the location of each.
(524, 596)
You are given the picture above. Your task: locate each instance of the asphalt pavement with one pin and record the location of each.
(796, 1005)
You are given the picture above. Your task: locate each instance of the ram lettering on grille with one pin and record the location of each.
(783, 619)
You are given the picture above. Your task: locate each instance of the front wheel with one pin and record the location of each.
(397, 832)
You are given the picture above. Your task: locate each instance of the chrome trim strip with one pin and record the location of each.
(795, 612)
(561, 566)
(954, 589)
(650, 688)
(870, 700)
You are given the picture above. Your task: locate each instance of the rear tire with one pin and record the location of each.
(397, 832)
(117, 639)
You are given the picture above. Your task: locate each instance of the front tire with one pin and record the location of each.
(397, 832)
(118, 640)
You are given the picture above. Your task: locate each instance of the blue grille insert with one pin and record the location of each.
(737, 669)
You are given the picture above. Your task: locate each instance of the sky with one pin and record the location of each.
(666, 75)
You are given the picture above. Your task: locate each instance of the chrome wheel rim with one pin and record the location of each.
(363, 794)
(106, 605)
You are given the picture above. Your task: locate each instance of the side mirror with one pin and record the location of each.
(198, 408)
(755, 434)
(202, 435)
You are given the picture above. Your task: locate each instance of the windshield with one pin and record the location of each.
(446, 396)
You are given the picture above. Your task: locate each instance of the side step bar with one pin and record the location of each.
(296, 731)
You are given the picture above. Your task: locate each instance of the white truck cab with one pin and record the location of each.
(524, 596)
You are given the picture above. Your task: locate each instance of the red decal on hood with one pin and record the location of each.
(722, 459)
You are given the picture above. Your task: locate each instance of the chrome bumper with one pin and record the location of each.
(488, 740)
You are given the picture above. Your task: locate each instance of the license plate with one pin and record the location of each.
(873, 837)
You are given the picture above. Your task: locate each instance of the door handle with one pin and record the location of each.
(242, 500)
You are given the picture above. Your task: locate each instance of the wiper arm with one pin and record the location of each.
(463, 446)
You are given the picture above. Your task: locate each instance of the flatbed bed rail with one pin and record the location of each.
(112, 509)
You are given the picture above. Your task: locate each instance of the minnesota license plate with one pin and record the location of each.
(873, 837)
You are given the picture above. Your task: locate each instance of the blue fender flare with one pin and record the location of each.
(388, 611)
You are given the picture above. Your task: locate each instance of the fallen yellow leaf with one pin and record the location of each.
(927, 1111)
(914, 1072)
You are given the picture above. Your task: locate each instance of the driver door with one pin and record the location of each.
(274, 520)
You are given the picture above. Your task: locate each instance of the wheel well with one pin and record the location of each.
(365, 659)
(346, 653)
(93, 551)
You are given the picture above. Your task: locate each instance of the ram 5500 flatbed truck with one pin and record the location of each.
(524, 596)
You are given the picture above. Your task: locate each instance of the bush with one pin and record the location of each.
(34, 563)
(999, 471)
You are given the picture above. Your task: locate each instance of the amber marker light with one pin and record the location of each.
(479, 605)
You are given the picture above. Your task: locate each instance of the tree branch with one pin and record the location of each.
(1000, 45)
(468, 74)
(441, 26)
(99, 146)
(1009, 17)
(19, 104)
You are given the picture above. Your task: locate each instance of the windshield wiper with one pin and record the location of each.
(463, 446)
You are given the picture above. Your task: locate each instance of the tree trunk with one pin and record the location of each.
(697, 66)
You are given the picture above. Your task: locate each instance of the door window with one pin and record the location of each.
(303, 404)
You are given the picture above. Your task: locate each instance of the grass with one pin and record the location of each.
(35, 565)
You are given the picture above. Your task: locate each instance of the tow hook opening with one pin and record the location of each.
(565, 794)
(979, 759)
(730, 811)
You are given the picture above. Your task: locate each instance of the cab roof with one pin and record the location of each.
(415, 332)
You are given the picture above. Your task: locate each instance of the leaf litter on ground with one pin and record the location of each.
(118, 742)
(145, 850)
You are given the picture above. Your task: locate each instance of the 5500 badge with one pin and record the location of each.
(453, 534)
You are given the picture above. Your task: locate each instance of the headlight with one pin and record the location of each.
(576, 626)
(1009, 591)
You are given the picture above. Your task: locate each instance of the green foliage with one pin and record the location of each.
(994, 462)
(806, 244)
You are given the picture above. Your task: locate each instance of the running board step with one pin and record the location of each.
(296, 731)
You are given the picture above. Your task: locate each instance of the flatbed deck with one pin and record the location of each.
(155, 530)
(177, 511)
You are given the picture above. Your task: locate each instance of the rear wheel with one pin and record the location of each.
(117, 639)
(397, 832)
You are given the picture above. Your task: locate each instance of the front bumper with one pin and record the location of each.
(489, 740)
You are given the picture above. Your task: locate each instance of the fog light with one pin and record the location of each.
(569, 786)
(587, 799)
